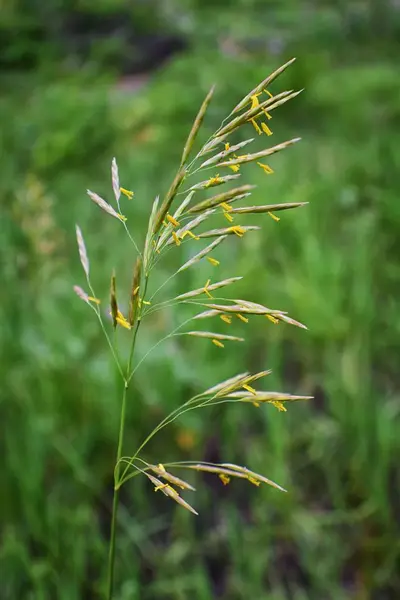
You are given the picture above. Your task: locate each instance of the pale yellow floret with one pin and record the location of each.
(254, 481)
(95, 300)
(242, 318)
(226, 319)
(256, 126)
(205, 289)
(155, 247)
(173, 221)
(213, 261)
(249, 389)
(267, 169)
(228, 217)
(189, 233)
(127, 193)
(266, 129)
(224, 478)
(238, 230)
(227, 207)
(274, 217)
(176, 239)
(218, 343)
(279, 405)
(122, 321)
(273, 319)
(214, 180)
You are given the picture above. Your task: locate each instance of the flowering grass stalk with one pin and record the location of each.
(174, 222)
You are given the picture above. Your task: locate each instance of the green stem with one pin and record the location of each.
(111, 555)
(127, 379)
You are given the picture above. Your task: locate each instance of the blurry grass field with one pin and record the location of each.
(333, 265)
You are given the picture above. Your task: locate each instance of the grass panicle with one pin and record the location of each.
(168, 228)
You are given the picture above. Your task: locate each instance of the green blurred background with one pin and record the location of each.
(84, 81)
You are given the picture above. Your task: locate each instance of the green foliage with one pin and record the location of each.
(332, 265)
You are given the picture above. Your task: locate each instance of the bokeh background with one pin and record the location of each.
(84, 81)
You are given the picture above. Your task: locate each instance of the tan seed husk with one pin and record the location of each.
(163, 474)
(253, 157)
(81, 293)
(206, 184)
(115, 180)
(227, 231)
(150, 235)
(202, 253)
(82, 250)
(224, 153)
(262, 396)
(212, 286)
(224, 197)
(113, 300)
(207, 313)
(192, 224)
(167, 490)
(104, 205)
(215, 336)
(241, 309)
(266, 208)
(227, 384)
(134, 297)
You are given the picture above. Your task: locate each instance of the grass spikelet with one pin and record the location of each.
(192, 225)
(168, 229)
(82, 250)
(81, 293)
(221, 155)
(113, 300)
(202, 253)
(243, 210)
(105, 206)
(261, 86)
(213, 182)
(234, 383)
(254, 157)
(214, 336)
(219, 198)
(252, 476)
(215, 141)
(169, 491)
(232, 470)
(169, 198)
(268, 397)
(252, 113)
(227, 384)
(291, 321)
(196, 126)
(236, 230)
(163, 474)
(134, 297)
(241, 309)
(115, 180)
(207, 313)
(149, 236)
(210, 287)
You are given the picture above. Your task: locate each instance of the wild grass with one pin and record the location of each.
(172, 223)
(332, 265)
